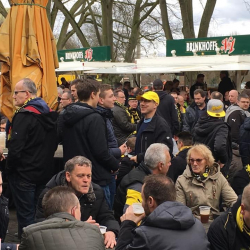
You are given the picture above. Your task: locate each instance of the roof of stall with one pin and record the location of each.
(162, 65)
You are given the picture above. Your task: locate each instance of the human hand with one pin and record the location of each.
(221, 164)
(123, 148)
(134, 158)
(2, 157)
(129, 215)
(91, 221)
(109, 239)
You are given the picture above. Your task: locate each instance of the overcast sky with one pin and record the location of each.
(229, 17)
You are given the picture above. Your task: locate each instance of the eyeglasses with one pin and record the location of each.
(16, 92)
(64, 99)
(197, 160)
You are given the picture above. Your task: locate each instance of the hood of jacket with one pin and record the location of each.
(231, 109)
(45, 116)
(39, 104)
(206, 124)
(171, 215)
(60, 180)
(161, 94)
(107, 113)
(75, 112)
(213, 174)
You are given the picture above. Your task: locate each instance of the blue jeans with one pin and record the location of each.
(25, 196)
(112, 189)
(107, 195)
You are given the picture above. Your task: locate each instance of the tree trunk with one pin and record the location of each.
(135, 30)
(187, 18)
(73, 23)
(165, 20)
(206, 18)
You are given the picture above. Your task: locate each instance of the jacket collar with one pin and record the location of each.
(62, 215)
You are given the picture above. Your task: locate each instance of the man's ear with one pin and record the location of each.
(151, 202)
(100, 100)
(242, 209)
(67, 176)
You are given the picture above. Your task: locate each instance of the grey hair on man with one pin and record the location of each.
(77, 160)
(155, 153)
(30, 86)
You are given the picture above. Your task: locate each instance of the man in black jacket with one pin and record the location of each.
(85, 133)
(121, 121)
(157, 161)
(212, 131)
(152, 128)
(32, 145)
(166, 108)
(225, 84)
(197, 109)
(168, 224)
(231, 230)
(179, 162)
(235, 117)
(94, 209)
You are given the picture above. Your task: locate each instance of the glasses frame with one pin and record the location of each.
(198, 161)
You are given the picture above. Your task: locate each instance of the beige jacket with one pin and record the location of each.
(194, 193)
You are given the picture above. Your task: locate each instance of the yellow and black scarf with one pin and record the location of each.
(241, 224)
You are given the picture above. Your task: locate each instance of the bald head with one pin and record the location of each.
(181, 100)
(233, 96)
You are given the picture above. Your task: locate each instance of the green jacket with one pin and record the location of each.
(62, 231)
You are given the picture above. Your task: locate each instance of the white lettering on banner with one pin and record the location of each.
(72, 55)
(228, 45)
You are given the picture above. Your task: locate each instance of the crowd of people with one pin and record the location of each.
(166, 149)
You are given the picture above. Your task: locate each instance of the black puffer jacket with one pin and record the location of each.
(157, 131)
(4, 217)
(92, 204)
(166, 110)
(136, 175)
(122, 124)
(240, 181)
(244, 142)
(85, 133)
(223, 233)
(191, 117)
(170, 226)
(214, 133)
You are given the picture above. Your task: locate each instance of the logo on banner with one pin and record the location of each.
(89, 54)
(228, 45)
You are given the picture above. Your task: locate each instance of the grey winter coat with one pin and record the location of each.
(62, 231)
(170, 226)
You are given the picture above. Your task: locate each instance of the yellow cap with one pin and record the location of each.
(149, 95)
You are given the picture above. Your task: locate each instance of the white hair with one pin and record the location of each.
(155, 153)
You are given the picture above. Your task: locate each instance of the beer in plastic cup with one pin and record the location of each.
(138, 209)
(204, 213)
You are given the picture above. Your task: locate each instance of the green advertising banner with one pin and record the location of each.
(231, 45)
(94, 54)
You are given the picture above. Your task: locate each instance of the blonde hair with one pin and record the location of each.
(204, 151)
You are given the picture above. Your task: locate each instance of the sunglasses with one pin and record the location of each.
(197, 160)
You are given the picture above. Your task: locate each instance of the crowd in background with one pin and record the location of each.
(168, 149)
